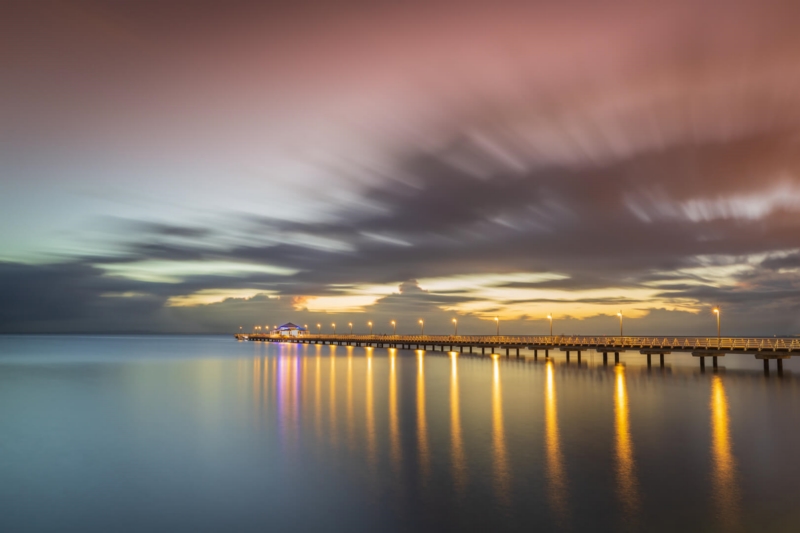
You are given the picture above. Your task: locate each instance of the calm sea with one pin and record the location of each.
(210, 434)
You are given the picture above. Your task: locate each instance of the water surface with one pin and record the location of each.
(210, 434)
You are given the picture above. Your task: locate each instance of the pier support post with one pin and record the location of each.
(547, 354)
(661, 359)
(517, 352)
(780, 366)
(605, 358)
(766, 366)
(579, 357)
(483, 350)
(648, 361)
(714, 363)
(702, 363)
(567, 356)
(616, 358)
(507, 351)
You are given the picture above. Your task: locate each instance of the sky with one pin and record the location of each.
(174, 167)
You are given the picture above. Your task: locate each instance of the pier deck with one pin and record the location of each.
(763, 348)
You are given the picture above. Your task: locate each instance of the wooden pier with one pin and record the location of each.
(762, 348)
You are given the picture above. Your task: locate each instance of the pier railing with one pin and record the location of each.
(610, 343)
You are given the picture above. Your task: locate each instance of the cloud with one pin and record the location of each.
(494, 160)
(561, 237)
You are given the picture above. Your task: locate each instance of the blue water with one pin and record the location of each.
(209, 434)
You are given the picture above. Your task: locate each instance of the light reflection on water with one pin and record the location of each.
(456, 439)
(627, 484)
(422, 427)
(556, 475)
(394, 420)
(370, 401)
(725, 485)
(252, 436)
(502, 474)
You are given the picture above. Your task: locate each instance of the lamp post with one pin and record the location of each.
(319, 329)
(394, 327)
(334, 328)
(370, 327)
(497, 322)
(422, 327)
(455, 327)
(351, 328)
(550, 318)
(620, 322)
(716, 312)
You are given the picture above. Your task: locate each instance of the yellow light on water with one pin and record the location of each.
(627, 484)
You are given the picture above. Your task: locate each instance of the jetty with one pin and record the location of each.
(762, 348)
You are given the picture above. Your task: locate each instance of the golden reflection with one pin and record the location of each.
(725, 484)
(422, 427)
(459, 461)
(350, 414)
(318, 396)
(371, 455)
(627, 484)
(332, 398)
(257, 386)
(256, 380)
(501, 472)
(556, 473)
(394, 423)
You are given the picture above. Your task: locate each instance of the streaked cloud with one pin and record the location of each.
(177, 271)
(224, 164)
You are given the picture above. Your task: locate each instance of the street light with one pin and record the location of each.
(422, 327)
(716, 311)
(319, 329)
(497, 321)
(455, 327)
(620, 322)
(370, 327)
(550, 318)
(334, 328)
(394, 327)
(351, 327)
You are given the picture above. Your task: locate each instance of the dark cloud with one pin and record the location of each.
(73, 297)
(576, 222)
